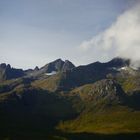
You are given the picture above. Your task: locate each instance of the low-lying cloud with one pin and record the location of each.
(121, 39)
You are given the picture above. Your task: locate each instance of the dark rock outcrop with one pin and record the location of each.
(6, 72)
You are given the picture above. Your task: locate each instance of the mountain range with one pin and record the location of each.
(60, 101)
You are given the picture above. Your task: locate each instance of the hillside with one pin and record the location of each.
(62, 102)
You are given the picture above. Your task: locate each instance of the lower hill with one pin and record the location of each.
(106, 108)
(95, 110)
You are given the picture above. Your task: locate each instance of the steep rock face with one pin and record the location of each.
(72, 77)
(58, 65)
(53, 67)
(106, 90)
(67, 65)
(6, 72)
(85, 74)
(118, 62)
(36, 68)
(93, 72)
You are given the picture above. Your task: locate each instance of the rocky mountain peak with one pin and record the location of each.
(36, 68)
(4, 66)
(119, 62)
(57, 65)
(67, 65)
(6, 72)
(105, 90)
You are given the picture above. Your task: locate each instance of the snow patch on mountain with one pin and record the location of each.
(51, 73)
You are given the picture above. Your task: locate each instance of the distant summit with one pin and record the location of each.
(67, 65)
(77, 75)
(6, 72)
(58, 65)
(119, 62)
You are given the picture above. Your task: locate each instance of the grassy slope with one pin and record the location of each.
(129, 83)
(50, 83)
(94, 119)
(101, 116)
(114, 120)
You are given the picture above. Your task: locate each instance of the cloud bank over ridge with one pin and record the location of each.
(121, 39)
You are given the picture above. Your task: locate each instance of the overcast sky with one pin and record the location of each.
(35, 32)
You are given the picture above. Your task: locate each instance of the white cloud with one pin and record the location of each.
(121, 39)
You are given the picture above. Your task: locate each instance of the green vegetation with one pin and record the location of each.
(79, 104)
(115, 120)
(50, 83)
